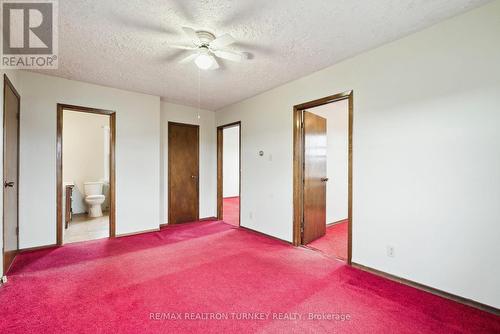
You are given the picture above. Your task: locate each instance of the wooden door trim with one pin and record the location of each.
(8, 83)
(59, 168)
(169, 221)
(220, 142)
(298, 158)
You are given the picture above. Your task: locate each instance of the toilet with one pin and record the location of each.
(94, 198)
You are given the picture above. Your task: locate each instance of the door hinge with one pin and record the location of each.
(17, 230)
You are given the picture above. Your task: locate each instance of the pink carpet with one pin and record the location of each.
(231, 210)
(210, 277)
(334, 242)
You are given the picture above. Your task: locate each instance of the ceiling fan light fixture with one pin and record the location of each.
(204, 61)
(208, 49)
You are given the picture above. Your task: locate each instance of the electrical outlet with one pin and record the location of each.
(390, 251)
(4, 279)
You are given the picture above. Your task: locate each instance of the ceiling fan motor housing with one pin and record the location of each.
(205, 37)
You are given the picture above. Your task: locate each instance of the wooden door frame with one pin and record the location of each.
(59, 165)
(8, 83)
(169, 222)
(298, 159)
(220, 146)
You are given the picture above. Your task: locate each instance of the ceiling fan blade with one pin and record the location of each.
(181, 47)
(229, 55)
(189, 58)
(215, 64)
(192, 34)
(222, 41)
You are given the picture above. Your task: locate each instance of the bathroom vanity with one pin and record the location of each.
(68, 209)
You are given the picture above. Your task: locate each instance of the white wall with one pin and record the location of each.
(231, 162)
(426, 154)
(337, 136)
(208, 155)
(83, 152)
(137, 154)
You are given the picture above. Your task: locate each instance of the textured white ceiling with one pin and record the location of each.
(123, 44)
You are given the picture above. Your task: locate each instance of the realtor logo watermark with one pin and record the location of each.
(29, 38)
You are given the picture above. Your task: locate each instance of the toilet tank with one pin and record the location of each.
(92, 188)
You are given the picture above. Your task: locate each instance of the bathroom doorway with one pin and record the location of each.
(229, 173)
(85, 173)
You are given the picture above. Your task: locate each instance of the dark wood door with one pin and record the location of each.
(315, 146)
(183, 172)
(10, 168)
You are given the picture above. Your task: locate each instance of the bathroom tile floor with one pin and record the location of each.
(84, 228)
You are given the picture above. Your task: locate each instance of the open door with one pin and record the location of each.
(314, 177)
(10, 174)
(310, 147)
(229, 173)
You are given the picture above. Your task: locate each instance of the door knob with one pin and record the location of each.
(194, 177)
(324, 179)
(8, 184)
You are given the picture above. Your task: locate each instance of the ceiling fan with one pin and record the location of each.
(207, 48)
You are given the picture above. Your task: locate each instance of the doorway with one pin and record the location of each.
(85, 173)
(11, 117)
(183, 173)
(323, 175)
(229, 173)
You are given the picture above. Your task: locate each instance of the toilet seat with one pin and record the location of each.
(94, 197)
